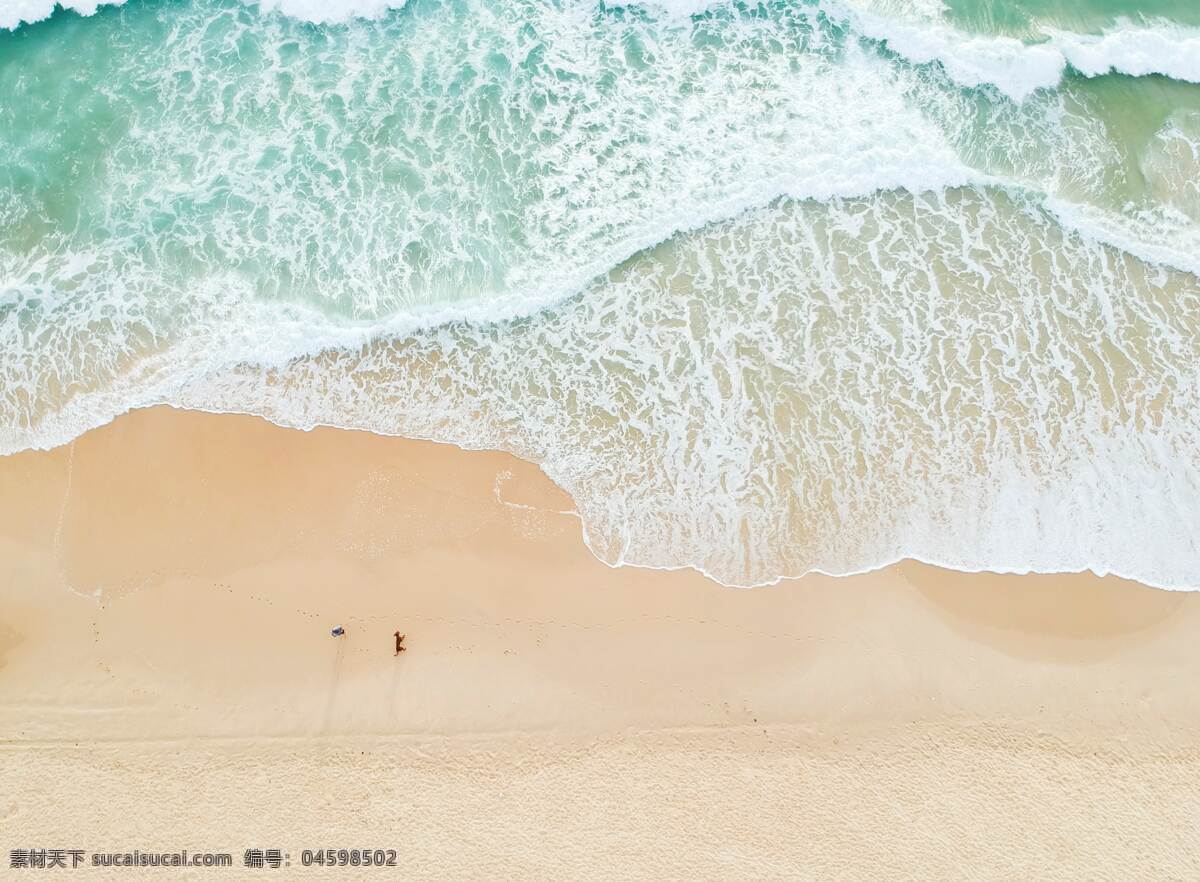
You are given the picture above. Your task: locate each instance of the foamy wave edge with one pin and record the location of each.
(19, 12)
(289, 331)
(311, 332)
(1071, 567)
(1016, 68)
(333, 336)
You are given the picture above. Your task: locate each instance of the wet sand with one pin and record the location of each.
(168, 680)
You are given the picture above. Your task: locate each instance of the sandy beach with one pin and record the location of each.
(732, 291)
(168, 680)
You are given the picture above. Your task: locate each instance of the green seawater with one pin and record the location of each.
(1027, 18)
(438, 155)
(767, 287)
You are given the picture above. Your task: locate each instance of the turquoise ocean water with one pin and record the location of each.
(767, 287)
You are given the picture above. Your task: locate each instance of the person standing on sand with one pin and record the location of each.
(399, 643)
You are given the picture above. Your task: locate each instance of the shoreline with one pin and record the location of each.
(167, 587)
(899, 561)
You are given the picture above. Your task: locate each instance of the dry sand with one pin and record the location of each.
(168, 681)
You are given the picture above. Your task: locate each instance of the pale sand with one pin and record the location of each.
(167, 680)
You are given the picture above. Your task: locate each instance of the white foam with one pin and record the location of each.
(1137, 50)
(672, 8)
(1018, 69)
(797, 389)
(1155, 235)
(14, 13)
(824, 387)
(917, 31)
(913, 31)
(692, 150)
(811, 385)
(330, 11)
(1015, 68)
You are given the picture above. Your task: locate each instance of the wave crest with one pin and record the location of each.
(1018, 68)
(15, 13)
(18, 12)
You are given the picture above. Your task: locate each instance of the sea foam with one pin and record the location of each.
(823, 386)
(914, 31)
(327, 12)
(763, 298)
(1018, 68)
(1163, 48)
(693, 150)
(14, 13)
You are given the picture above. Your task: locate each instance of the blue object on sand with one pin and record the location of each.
(338, 631)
